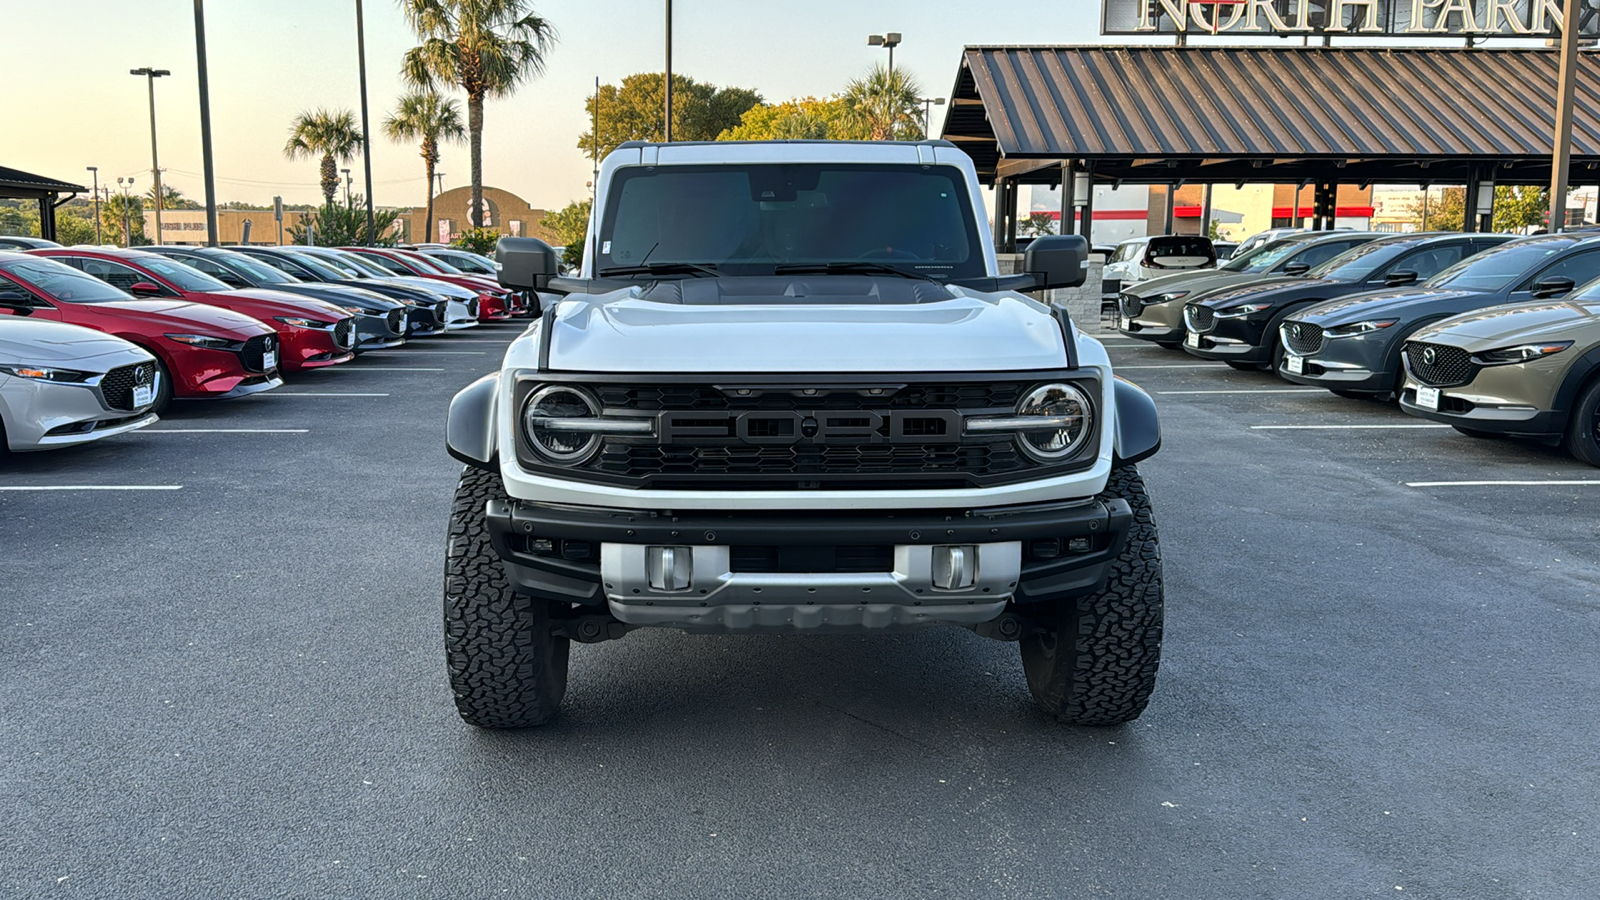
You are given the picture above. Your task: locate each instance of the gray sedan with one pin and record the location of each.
(62, 385)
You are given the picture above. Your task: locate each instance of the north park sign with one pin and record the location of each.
(1394, 18)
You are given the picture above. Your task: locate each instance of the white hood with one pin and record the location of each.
(967, 333)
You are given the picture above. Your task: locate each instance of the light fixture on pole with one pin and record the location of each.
(96, 171)
(887, 41)
(928, 103)
(155, 165)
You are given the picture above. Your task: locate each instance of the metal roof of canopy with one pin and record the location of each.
(18, 185)
(1260, 114)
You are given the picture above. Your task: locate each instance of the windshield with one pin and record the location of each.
(750, 218)
(63, 282)
(1264, 257)
(428, 264)
(1358, 262)
(323, 268)
(464, 262)
(186, 278)
(364, 268)
(258, 271)
(1493, 270)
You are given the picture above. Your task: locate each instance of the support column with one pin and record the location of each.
(1469, 203)
(47, 219)
(1205, 212)
(1324, 206)
(999, 214)
(1086, 217)
(1069, 199)
(1013, 197)
(1168, 221)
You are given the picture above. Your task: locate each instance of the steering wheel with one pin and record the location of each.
(888, 253)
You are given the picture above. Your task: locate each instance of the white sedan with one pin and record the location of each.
(62, 385)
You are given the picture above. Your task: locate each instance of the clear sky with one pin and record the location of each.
(69, 101)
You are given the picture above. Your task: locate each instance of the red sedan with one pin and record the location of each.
(495, 303)
(312, 334)
(203, 351)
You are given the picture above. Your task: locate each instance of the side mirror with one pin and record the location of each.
(144, 289)
(1057, 260)
(525, 263)
(1552, 287)
(1298, 268)
(17, 301)
(1400, 278)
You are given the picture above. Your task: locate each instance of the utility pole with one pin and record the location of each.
(96, 171)
(1561, 152)
(594, 133)
(438, 177)
(155, 165)
(127, 225)
(928, 103)
(667, 134)
(346, 186)
(205, 123)
(366, 134)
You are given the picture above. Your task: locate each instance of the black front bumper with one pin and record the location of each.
(555, 551)
(1244, 339)
(1543, 424)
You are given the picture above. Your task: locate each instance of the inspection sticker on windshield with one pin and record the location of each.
(1428, 398)
(1297, 365)
(143, 394)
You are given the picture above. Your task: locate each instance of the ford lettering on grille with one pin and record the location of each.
(920, 426)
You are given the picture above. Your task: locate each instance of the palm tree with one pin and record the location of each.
(883, 106)
(486, 48)
(425, 116)
(332, 134)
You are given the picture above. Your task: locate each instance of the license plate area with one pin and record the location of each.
(1296, 364)
(1192, 339)
(1428, 398)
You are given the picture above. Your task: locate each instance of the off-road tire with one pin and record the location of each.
(1583, 429)
(1094, 661)
(507, 670)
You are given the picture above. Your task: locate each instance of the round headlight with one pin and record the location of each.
(569, 447)
(1072, 421)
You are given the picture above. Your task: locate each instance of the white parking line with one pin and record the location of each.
(409, 352)
(94, 487)
(386, 369)
(1333, 427)
(1579, 481)
(1175, 366)
(318, 394)
(1254, 391)
(223, 431)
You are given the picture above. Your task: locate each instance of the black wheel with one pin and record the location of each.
(1475, 433)
(163, 388)
(1583, 429)
(507, 669)
(1094, 661)
(1243, 366)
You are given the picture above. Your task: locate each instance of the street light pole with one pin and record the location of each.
(667, 131)
(155, 165)
(1561, 152)
(205, 123)
(928, 103)
(96, 171)
(887, 41)
(127, 226)
(366, 133)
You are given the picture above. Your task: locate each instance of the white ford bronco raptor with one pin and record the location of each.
(790, 391)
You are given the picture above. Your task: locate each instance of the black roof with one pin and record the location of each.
(20, 185)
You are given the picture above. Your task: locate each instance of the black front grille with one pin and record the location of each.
(655, 398)
(995, 457)
(472, 308)
(255, 350)
(397, 321)
(1439, 365)
(441, 312)
(118, 384)
(1302, 338)
(1131, 305)
(824, 559)
(1199, 318)
(344, 334)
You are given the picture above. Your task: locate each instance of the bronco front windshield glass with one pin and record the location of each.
(746, 219)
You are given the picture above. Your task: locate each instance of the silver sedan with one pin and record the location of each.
(62, 385)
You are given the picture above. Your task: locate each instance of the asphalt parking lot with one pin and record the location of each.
(230, 683)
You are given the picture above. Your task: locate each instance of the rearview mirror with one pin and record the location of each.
(525, 263)
(1297, 268)
(1552, 287)
(1400, 278)
(144, 289)
(1057, 260)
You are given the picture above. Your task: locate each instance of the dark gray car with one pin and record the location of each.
(1353, 346)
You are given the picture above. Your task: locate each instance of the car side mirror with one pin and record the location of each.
(1298, 268)
(1552, 287)
(1057, 260)
(1400, 278)
(144, 289)
(18, 302)
(525, 263)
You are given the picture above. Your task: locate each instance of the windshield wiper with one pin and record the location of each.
(848, 267)
(664, 268)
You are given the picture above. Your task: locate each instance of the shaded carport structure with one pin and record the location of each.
(1079, 116)
(18, 185)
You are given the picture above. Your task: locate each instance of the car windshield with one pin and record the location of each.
(364, 268)
(428, 264)
(465, 263)
(1496, 269)
(751, 218)
(186, 278)
(322, 268)
(1358, 262)
(1253, 260)
(63, 282)
(259, 271)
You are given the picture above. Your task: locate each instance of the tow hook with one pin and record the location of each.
(1007, 627)
(593, 629)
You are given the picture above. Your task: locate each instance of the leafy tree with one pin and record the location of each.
(1519, 208)
(345, 225)
(485, 47)
(19, 220)
(1214, 231)
(884, 105)
(477, 240)
(72, 228)
(569, 226)
(425, 117)
(331, 134)
(635, 111)
(123, 209)
(1038, 225)
(171, 198)
(800, 119)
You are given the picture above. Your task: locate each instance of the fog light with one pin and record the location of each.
(671, 569)
(955, 567)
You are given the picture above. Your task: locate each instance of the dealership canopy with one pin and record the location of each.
(19, 185)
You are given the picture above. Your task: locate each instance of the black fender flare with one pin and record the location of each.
(470, 424)
(1578, 375)
(1138, 434)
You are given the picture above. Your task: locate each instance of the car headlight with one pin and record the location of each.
(40, 373)
(303, 323)
(1243, 309)
(1052, 422)
(356, 310)
(1526, 353)
(203, 340)
(1361, 327)
(1168, 298)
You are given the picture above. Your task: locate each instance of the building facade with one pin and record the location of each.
(503, 211)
